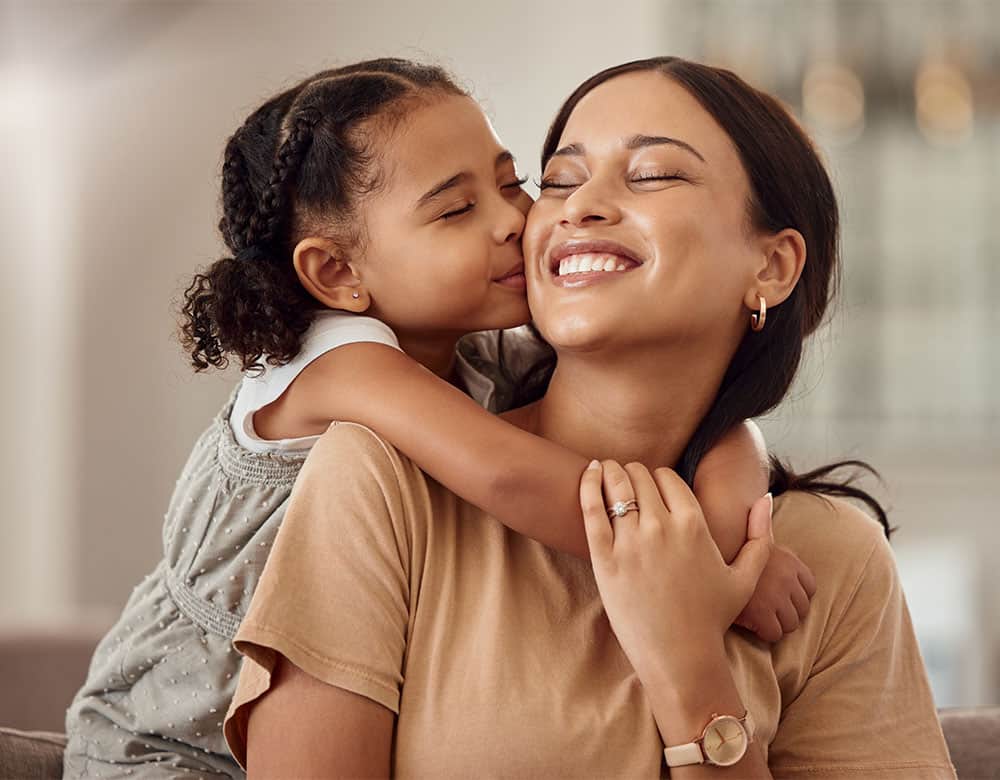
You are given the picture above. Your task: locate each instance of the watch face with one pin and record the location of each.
(725, 741)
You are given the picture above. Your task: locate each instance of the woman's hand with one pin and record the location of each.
(664, 584)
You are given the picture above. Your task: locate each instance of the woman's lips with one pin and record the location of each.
(587, 278)
(581, 263)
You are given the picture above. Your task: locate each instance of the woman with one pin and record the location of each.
(723, 222)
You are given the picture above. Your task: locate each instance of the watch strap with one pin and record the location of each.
(683, 755)
(692, 753)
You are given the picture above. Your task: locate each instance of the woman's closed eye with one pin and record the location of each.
(638, 178)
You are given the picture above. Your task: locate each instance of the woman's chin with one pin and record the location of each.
(576, 334)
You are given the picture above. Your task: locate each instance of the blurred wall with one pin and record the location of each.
(113, 116)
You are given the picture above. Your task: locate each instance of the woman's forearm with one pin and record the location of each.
(684, 691)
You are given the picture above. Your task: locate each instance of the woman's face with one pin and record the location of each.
(646, 184)
(443, 248)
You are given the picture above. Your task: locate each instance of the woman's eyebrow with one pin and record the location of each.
(504, 157)
(640, 141)
(635, 142)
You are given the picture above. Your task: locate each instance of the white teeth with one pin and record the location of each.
(584, 263)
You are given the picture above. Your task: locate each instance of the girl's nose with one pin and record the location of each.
(510, 224)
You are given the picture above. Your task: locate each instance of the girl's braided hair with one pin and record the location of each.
(298, 166)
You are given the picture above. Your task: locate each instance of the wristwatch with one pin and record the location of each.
(723, 742)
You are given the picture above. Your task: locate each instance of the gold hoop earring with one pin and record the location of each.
(757, 318)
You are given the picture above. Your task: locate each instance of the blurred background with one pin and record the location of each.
(113, 117)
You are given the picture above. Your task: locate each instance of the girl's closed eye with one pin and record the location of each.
(514, 185)
(457, 212)
(510, 188)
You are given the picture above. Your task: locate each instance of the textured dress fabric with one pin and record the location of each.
(161, 680)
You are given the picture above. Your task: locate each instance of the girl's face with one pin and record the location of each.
(646, 184)
(442, 252)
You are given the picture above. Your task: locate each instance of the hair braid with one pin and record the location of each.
(265, 224)
(239, 204)
(298, 164)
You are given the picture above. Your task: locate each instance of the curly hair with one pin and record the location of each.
(300, 163)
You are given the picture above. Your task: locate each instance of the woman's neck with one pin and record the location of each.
(642, 409)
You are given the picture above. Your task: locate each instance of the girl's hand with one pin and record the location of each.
(781, 600)
(664, 584)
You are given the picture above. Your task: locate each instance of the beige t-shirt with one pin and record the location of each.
(379, 575)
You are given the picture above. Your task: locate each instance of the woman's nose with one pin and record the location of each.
(590, 204)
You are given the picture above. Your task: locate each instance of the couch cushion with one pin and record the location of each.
(973, 735)
(31, 755)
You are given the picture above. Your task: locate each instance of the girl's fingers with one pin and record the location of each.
(595, 518)
(788, 618)
(808, 581)
(769, 629)
(618, 488)
(800, 600)
(675, 493)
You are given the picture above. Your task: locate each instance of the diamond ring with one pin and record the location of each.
(622, 508)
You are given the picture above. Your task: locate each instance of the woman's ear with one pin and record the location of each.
(329, 276)
(784, 257)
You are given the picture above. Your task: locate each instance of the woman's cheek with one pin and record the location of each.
(537, 231)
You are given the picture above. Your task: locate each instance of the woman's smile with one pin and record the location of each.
(578, 263)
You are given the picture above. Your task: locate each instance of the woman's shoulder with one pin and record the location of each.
(814, 518)
(348, 447)
(837, 540)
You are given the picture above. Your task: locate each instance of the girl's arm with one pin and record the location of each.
(305, 728)
(529, 484)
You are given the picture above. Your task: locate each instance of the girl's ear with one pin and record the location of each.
(329, 276)
(784, 257)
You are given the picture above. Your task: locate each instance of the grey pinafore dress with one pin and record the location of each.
(161, 680)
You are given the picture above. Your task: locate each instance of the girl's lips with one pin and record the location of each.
(515, 281)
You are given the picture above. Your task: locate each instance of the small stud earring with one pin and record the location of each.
(355, 295)
(757, 318)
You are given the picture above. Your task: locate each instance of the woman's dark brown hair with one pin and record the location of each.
(298, 166)
(789, 188)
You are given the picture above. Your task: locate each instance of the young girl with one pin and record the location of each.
(373, 220)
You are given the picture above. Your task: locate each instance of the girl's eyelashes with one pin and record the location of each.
(458, 212)
(516, 184)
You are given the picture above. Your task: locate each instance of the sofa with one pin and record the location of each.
(40, 671)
